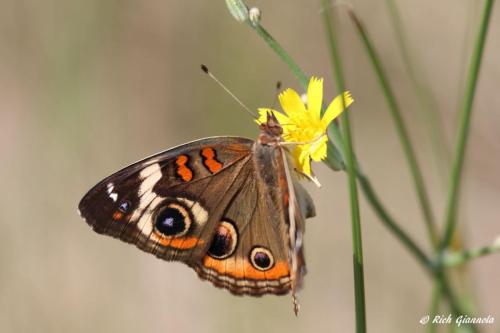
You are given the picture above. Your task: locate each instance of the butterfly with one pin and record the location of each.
(231, 208)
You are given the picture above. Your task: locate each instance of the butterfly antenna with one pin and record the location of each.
(205, 69)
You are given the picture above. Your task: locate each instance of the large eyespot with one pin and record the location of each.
(224, 241)
(261, 258)
(173, 220)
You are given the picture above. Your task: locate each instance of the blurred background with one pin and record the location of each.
(87, 87)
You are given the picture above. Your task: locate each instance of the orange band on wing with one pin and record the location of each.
(210, 161)
(185, 243)
(183, 170)
(284, 188)
(279, 270)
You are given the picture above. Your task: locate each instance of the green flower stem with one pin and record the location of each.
(359, 284)
(402, 131)
(299, 74)
(456, 259)
(463, 132)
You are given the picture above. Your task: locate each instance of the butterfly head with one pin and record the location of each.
(270, 131)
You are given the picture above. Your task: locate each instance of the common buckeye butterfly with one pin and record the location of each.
(229, 207)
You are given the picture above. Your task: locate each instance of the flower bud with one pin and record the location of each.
(238, 9)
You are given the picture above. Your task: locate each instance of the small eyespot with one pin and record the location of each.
(224, 241)
(121, 211)
(261, 258)
(124, 206)
(173, 220)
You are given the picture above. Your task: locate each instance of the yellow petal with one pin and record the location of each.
(315, 96)
(336, 108)
(306, 167)
(304, 160)
(282, 119)
(296, 157)
(291, 103)
(318, 149)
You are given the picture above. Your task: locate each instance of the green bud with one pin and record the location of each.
(238, 9)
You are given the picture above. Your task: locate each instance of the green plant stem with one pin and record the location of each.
(359, 284)
(463, 132)
(434, 308)
(299, 74)
(433, 121)
(456, 259)
(456, 309)
(381, 212)
(401, 129)
(439, 274)
(391, 224)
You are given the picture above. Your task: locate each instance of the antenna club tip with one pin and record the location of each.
(204, 68)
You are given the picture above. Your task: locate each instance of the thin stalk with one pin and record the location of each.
(439, 273)
(433, 121)
(456, 308)
(357, 244)
(460, 258)
(401, 130)
(299, 74)
(434, 308)
(392, 225)
(380, 210)
(463, 132)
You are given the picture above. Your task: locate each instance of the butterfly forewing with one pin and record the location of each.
(191, 179)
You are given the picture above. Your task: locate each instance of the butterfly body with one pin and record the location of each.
(229, 207)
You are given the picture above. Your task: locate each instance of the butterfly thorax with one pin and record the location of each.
(268, 160)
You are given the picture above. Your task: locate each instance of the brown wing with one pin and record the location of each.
(248, 252)
(251, 252)
(214, 204)
(170, 203)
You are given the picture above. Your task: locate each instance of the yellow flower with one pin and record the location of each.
(304, 125)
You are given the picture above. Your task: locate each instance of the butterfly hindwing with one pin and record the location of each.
(251, 251)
